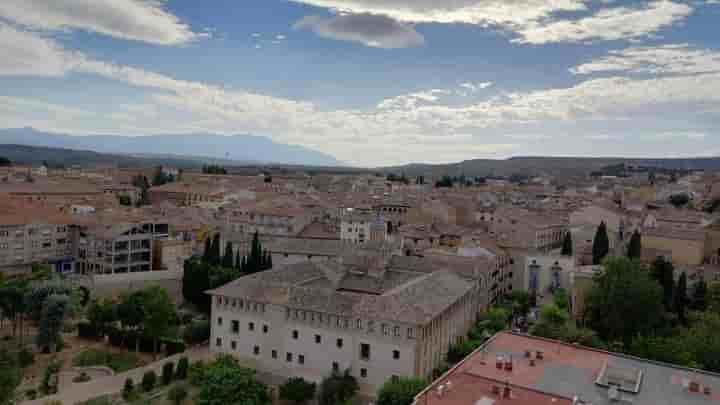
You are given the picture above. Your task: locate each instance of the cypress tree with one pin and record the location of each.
(238, 264)
(680, 298)
(269, 261)
(215, 250)
(208, 249)
(227, 260)
(567, 247)
(601, 244)
(243, 266)
(662, 271)
(699, 296)
(635, 246)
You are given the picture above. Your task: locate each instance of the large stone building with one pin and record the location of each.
(359, 314)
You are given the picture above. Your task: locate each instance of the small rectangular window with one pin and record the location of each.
(365, 351)
(218, 342)
(274, 354)
(288, 357)
(265, 329)
(235, 326)
(396, 354)
(233, 345)
(339, 343)
(256, 350)
(363, 372)
(335, 367)
(295, 334)
(318, 339)
(251, 326)
(301, 359)
(219, 320)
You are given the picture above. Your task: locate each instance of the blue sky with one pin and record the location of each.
(374, 82)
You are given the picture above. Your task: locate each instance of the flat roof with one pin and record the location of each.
(565, 372)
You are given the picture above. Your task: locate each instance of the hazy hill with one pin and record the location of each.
(242, 148)
(556, 166)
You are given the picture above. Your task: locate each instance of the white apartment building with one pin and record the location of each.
(359, 228)
(310, 319)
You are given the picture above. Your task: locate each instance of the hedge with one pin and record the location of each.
(86, 330)
(173, 346)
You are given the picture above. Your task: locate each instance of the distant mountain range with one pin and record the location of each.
(240, 148)
(555, 166)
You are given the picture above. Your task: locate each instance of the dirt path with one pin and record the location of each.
(80, 392)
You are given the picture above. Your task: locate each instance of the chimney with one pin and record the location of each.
(508, 364)
(499, 363)
(539, 355)
(532, 362)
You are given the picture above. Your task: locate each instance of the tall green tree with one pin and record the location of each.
(196, 280)
(224, 382)
(338, 388)
(207, 252)
(238, 261)
(634, 250)
(55, 308)
(215, 250)
(158, 314)
(663, 272)
(624, 301)
(698, 301)
(400, 391)
(228, 260)
(680, 300)
(601, 244)
(567, 246)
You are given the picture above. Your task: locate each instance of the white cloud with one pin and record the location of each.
(412, 100)
(371, 30)
(471, 88)
(619, 23)
(24, 53)
(534, 21)
(663, 59)
(138, 20)
(280, 37)
(395, 130)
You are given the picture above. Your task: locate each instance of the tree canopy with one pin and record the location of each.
(624, 301)
(223, 382)
(634, 250)
(400, 391)
(298, 390)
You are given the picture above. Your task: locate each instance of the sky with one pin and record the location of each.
(374, 82)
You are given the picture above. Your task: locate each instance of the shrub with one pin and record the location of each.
(181, 371)
(173, 346)
(400, 391)
(25, 358)
(298, 390)
(148, 381)
(167, 373)
(83, 377)
(86, 330)
(116, 336)
(147, 344)
(31, 394)
(197, 332)
(128, 389)
(177, 394)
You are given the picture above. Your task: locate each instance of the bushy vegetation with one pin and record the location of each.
(118, 362)
(223, 381)
(400, 391)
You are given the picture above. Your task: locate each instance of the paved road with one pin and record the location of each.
(79, 392)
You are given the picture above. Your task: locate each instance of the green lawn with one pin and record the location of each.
(118, 362)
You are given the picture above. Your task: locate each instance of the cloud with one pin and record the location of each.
(137, 20)
(663, 59)
(371, 30)
(412, 100)
(395, 130)
(24, 53)
(280, 37)
(533, 21)
(619, 23)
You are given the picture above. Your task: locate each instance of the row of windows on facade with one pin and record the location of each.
(31, 231)
(345, 322)
(364, 350)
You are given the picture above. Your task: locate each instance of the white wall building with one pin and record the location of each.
(310, 319)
